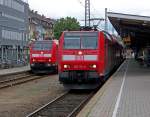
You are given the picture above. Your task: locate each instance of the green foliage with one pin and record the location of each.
(63, 24)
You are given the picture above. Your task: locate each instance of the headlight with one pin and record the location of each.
(94, 66)
(33, 60)
(80, 53)
(65, 66)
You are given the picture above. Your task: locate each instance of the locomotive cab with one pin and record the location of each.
(79, 59)
(87, 58)
(43, 56)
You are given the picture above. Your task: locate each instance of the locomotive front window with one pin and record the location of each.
(42, 46)
(89, 43)
(81, 40)
(72, 43)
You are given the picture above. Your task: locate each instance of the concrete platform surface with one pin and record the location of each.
(14, 70)
(125, 94)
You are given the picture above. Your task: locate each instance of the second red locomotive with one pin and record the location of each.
(43, 56)
(86, 58)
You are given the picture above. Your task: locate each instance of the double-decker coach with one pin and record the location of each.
(86, 58)
(43, 56)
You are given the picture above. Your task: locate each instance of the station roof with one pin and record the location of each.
(138, 27)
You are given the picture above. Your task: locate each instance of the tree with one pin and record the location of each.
(63, 24)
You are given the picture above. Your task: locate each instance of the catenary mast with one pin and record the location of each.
(87, 13)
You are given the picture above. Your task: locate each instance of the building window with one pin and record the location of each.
(12, 17)
(1, 2)
(7, 3)
(0, 13)
(17, 6)
(13, 4)
(11, 35)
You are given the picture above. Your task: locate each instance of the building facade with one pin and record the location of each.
(13, 32)
(40, 27)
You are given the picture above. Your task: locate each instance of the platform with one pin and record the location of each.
(125, 94)
(14, 70)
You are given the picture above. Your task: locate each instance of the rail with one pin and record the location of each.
(67, 105)
(16, 79)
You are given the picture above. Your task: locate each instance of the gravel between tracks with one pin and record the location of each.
(18, 101)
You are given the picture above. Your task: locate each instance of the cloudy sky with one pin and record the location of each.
(75, 8)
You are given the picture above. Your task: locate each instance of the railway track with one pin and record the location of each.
(15, 79)
(67, 105)
(12, 75)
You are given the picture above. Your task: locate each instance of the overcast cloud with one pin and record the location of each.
(62, 8)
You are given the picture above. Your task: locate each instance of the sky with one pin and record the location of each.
(75, 8)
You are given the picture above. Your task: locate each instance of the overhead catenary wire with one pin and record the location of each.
(81, 3)
(93, 16)
(94, 9)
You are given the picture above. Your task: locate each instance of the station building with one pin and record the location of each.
(13, 32)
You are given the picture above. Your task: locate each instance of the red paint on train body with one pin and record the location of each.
(86, 58)
(43, 56)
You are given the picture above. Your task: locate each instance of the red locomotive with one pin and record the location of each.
(43, 56)
(86, 58)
